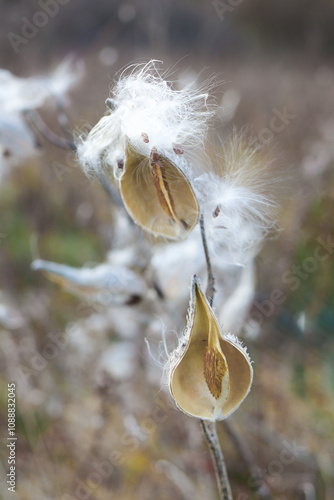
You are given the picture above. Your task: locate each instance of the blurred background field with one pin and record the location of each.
(93, 399)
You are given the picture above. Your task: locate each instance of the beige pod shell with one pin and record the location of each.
(158, 195)
(212, 373)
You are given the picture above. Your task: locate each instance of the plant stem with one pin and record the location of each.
(210, 288)
(110, 190)
(210, 433)
(209, 428)
(46, 132)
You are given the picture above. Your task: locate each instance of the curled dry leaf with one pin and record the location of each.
(211, 374)
(158, 195)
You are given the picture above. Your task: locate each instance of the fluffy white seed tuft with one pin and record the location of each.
(146, 111)
(238, 202)
(20, 94)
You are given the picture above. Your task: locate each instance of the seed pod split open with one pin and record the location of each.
(158, 195)
(105, 284)
(211, 374)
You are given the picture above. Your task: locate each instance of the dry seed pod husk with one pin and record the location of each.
(160, 199)
(105, 284)
(210, 378)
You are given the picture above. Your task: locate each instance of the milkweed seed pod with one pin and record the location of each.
(158, 195)
(104, 284)
(210, 373)
(20, 95)
(150, 143)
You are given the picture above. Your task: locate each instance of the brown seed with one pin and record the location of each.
(145, 137)
(178, 149)
(215, 368)
(154, 156)
(216, 211)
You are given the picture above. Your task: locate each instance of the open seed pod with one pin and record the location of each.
(212, 373)
(105, 284)
(157, 195)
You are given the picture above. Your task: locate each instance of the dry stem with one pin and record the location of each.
(209, 428)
